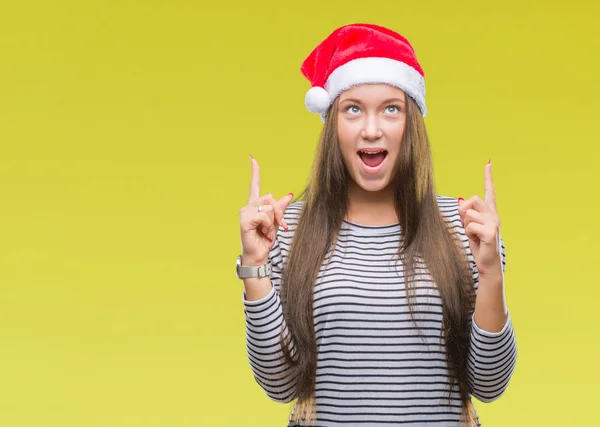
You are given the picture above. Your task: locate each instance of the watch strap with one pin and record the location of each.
(252, 271)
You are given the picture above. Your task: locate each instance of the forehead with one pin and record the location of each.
(372, 92)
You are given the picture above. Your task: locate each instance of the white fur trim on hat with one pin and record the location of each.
(376, 70)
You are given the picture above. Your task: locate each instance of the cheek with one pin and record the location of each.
(347, 133)
(347, 140)
(394, 131)
(394, 134)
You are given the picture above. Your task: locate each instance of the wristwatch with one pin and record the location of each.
(247, 271)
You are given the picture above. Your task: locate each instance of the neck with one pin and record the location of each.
(371, 207)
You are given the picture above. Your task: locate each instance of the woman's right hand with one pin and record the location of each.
(259, 229)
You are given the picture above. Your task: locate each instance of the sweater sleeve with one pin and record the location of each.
(492, 355)
(264, 322)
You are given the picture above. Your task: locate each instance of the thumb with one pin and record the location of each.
(283, 202)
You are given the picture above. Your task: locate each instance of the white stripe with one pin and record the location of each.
(373, 367)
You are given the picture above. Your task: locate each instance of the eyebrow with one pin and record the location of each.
(357, 101)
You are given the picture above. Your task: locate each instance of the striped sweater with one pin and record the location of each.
(373, 367)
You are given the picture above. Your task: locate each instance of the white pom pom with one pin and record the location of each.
(317, 100)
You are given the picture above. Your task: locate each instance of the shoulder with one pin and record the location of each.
(291, 214)
(283, 238)
(449, 209)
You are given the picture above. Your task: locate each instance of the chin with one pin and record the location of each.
(373, 186)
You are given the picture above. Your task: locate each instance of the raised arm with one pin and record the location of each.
(493, 348)
(260, 222)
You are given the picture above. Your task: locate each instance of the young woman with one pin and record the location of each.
(371, 299)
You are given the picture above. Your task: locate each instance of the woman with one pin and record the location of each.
(380, 302)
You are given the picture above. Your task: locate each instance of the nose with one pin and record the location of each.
(371, 130)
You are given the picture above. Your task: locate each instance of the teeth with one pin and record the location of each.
(375, 152)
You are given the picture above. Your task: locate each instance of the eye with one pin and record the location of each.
(395, 109)
(353, 109)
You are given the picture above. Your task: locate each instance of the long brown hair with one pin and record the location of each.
(425, 235)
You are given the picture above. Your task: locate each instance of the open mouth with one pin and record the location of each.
(373, 159)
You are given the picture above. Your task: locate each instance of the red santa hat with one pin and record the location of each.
(361, 53)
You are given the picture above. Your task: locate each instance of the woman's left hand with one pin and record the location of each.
(482, 227)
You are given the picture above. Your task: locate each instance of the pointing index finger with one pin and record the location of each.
(254, 181)
(490, 193)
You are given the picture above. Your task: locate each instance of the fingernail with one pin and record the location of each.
(460, 199)
(251, 158)
(490, 162)
(270, 240)
(291, 194)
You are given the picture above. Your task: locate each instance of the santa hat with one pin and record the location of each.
(361, 53)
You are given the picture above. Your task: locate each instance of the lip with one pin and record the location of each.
(372, 170)
(371, 150)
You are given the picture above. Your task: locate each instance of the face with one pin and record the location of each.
(371, 117)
